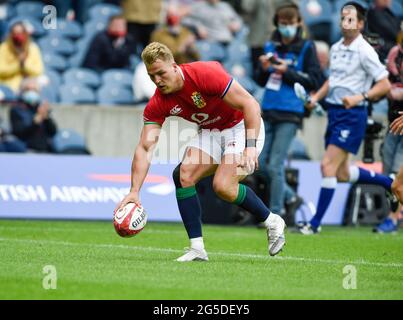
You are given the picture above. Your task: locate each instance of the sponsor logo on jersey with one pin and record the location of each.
(198, 100)
(175, 110)
(199, 117)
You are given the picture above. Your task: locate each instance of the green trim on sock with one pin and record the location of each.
(241, 194)
(184, 193)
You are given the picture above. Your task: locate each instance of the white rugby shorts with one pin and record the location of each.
(228, 141)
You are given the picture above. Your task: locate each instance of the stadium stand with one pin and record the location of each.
(69, 141)
(76, 94)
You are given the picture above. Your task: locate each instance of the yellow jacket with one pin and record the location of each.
(11, 73)
(141, 11)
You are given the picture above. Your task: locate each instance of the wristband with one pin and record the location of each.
(250, 143)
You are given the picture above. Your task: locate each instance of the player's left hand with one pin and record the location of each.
(249, 160)
(351, 101)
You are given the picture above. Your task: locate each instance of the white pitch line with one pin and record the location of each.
(223, 254)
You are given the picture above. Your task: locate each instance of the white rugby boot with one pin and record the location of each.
(275, 233)
(192, 254)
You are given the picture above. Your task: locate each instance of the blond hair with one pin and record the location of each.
(154, 51)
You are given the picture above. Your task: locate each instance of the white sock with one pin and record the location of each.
(197, 243)
(354, 174)
(329, 182)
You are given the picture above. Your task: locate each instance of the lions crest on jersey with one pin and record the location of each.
(198, 100)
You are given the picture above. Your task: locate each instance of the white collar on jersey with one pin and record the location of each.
(181, 72)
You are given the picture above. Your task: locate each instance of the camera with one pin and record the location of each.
(372, 133)
(272, 58)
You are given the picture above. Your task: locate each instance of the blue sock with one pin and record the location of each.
(325, 197)
(248, 200)
(370, 177)
(190, 210)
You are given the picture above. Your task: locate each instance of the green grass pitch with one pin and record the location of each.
(93, 262)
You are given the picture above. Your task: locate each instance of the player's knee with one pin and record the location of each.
(186, 177)
(343, 176)
(224, 190)
(327, 168)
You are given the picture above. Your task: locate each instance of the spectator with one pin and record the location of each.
(142, 17)
(19, 57)
(392, 151)
(111, 48)
(30, 118)
(214, 20)
(258, 15)
(294, 61)
(178, 38)
(383, 22)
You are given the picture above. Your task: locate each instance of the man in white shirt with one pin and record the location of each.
(354, 66)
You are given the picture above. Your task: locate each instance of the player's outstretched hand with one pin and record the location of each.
(396, 127)
(131, 197)
(249, 160)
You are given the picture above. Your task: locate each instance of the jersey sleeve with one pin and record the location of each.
(213, 79)
(371, 63)
(154, 112)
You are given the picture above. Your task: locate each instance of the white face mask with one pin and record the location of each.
(31, 97)
(288, 31)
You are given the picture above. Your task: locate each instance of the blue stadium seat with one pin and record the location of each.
(77, 59)
(82, 76)
(397, 8)
(120, 77)
(76, 94)
(320, 23)
(102, 11)
(67, 28)
(54, 61)
(69, 141)
(6, 94)
(54, 78)
(30, 9)
(92, 27)
(59, 45)
(50, 91)
(210, 50)
(114, 95)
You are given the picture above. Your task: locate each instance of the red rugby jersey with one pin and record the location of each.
(199, 101)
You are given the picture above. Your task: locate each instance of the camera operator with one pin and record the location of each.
(30, 118)
(392, 151)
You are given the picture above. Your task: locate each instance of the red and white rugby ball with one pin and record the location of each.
(129, 220)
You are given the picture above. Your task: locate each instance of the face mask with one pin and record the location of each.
(19, 39)
(31, 97)
(287, 31)
(117, 34)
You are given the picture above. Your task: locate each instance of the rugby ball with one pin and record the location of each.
(129, 220)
